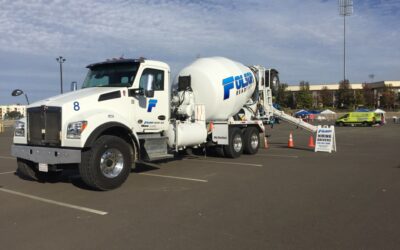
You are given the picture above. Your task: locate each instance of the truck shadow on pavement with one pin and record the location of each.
(70, 176)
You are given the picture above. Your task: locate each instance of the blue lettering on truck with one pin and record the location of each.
(152, 104)
(239, 82)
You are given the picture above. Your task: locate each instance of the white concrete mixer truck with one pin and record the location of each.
(129, 110)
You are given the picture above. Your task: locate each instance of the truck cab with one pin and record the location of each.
(120, 100)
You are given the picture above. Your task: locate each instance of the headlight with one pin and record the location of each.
(75, 129)
(19, 129)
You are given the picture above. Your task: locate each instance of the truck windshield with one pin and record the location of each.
(111, 75)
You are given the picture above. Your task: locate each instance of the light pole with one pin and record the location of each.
(345, 9)
(61, 60)
(371, 76)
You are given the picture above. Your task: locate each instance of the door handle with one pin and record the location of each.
(161, 117)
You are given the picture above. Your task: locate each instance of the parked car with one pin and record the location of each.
(359, 118)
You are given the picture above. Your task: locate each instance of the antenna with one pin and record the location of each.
(345, 9)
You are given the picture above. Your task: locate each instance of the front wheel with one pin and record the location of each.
(235, 147)
(107, 164)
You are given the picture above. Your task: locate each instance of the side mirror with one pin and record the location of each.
(74, 86)
(17, 92)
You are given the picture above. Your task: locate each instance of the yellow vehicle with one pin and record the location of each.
(359, 118)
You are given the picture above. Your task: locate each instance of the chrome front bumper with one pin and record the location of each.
(46, 155)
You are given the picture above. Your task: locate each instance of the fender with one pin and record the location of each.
(100, 130)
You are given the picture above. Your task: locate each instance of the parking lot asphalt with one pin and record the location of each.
(278, 199)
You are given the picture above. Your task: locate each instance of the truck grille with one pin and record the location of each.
(44, 126)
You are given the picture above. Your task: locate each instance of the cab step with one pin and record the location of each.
(154, 148)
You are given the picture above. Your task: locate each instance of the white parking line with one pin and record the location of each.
(62, 204)
(228, 162)
(11, 172)
(174, 177)
(280, 156)
(7, 157)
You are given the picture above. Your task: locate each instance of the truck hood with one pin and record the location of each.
(69, 97)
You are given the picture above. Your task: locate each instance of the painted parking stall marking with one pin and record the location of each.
(62, 204)
(279, 156)
(173, 177)
(227, 162)
(7, 157)
(11, 172)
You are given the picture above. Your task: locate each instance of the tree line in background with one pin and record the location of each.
(344, 98)
(12, 115)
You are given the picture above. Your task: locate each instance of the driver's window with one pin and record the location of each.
(155, 76)
(100, 80)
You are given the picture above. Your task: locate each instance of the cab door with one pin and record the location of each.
(151, 107)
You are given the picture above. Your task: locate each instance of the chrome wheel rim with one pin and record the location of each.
(237, 143)
(254, 141)
(111, 163)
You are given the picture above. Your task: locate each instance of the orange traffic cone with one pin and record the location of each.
(211, 127)
(290, 142)
(265, 143)
(311, 142)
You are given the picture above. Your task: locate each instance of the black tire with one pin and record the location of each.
(219, 150)
(235, 147)
(251, 140)
(341, 124)
(29, 170)
(113, 173)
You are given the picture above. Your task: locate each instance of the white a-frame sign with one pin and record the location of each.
(326, 140)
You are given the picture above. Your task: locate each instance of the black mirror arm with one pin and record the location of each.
(149, 93)
(136, 92)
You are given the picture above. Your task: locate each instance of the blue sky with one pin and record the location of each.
(302, 39)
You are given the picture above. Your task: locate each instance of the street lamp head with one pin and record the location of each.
(61, 59)
(17, 92)
(345, 7)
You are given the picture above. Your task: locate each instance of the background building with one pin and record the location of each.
(4, 109)
(377, 88)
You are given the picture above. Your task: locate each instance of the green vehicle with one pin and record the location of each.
(359, 118)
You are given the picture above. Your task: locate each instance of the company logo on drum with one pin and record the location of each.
(152, 104)
(240, 82)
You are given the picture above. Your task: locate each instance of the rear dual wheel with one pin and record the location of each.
(235, 147)
(251, 141)
(247, 142)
